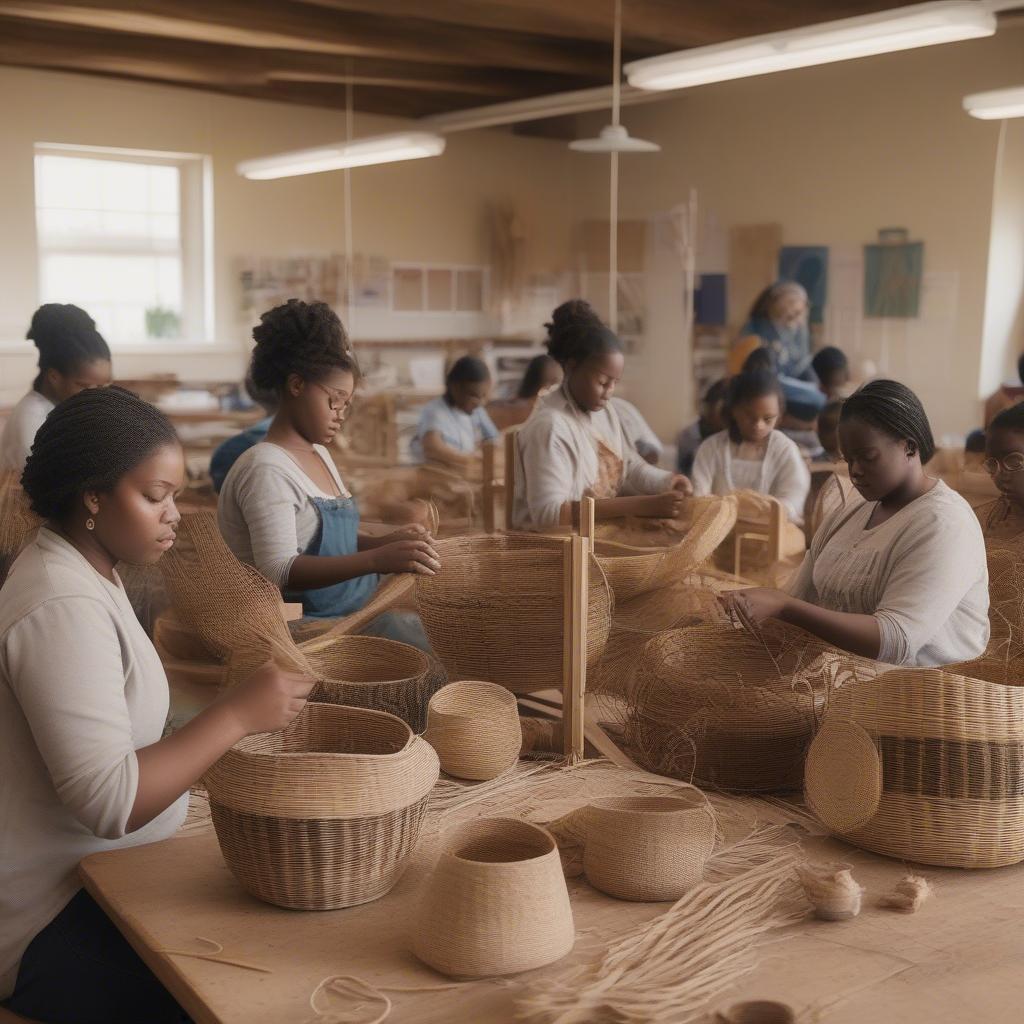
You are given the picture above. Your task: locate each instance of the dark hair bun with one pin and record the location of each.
(66, 338)
(576, 333)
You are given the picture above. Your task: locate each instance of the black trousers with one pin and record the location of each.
(81, 970)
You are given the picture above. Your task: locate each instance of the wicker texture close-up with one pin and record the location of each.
(719, 707)
(326, 813)
(17, 520)
(948, 753)
(474, 727)
(495, 611)
(496, 902)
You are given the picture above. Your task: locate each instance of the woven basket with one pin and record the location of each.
(924, 765)
(474, 727)
(326, 813)
(496, 902)
(726, 710)
(17, 521)
(647, 848)
(495, 611)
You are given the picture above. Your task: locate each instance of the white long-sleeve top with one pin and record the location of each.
(922, 574)
(20, 430)
(81, 689)
(782, 472)
(557, 460)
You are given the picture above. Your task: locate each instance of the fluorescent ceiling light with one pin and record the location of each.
(378, 149)
(614, 139)
(903, 28)
(995, 105)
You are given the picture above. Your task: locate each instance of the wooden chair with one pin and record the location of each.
(772, 539)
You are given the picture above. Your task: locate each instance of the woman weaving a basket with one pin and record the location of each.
(574, 446)
(900, 576)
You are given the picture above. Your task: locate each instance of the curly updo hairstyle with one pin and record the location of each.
(576, 333)
(895, 410)
(304, 338)
(88, 443)
(66, 338)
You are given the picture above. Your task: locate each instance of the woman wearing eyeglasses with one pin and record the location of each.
(283, 507)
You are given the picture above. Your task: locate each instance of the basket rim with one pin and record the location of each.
(462, 836)
(615, 804)
(506, 697)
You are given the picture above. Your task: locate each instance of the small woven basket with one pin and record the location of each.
(326, 813)
(647, 848)
(496, 902)
(474, 727)
(924, 765)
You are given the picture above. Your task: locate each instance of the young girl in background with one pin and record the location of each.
(452, 427)
(751, 454)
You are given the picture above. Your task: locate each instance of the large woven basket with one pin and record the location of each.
(326, 813)
(719, 707)
(474, 727)
(924, 765)
(496, 903)
(495, 611)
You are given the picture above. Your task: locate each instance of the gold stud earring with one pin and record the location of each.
(90, 523)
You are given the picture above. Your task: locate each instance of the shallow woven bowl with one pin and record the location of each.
(474, 727)
(326, 813)
(496, 902)
(647, 848)
(373, 672)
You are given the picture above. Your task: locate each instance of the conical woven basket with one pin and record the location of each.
(495, 611)
(326, 813)
(17, 521)
(924, 765)
(647, 848)
(721, 708)
(496, 902)
(474, 727)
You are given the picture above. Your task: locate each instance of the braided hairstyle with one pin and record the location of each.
(67, 339)
(88, 443)
(576, 333)
(895, 410)
(304, 338)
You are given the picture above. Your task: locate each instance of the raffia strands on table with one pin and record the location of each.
(325, 814)
(474, 727)
(496, 902)
(722, 708)
(495, 611)
(669, 970)
(17, 520)
(924, 765)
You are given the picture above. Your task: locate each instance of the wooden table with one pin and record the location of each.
(957, 960)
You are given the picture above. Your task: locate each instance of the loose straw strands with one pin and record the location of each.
(213, 955)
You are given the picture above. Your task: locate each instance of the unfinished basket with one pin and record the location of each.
(496, 611)
(326, 813)
(496, 903)
(474, 727)
(924, 765)
(719, 707)
(647, 848)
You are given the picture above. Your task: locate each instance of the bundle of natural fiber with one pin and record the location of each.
(326, 813)
(831, 890)
(923, 765)
(540, 735)
(18, 522)
(496, 902)
(474, 727)
(496, 610)
(732, 710)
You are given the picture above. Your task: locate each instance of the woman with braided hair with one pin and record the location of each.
(283, 507)
(72, 356)
(83, 701)
(900, 576)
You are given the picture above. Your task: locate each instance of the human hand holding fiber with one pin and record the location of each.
(269, 699)
(664, 506)
(754, 604)
(417, 556)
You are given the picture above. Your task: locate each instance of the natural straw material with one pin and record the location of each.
(17, 521)
(496, 902)
(908, 895)
(831, 890)
(924, 765)
(474, 727)
(326, 813)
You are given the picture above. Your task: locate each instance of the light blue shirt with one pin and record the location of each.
(459, 430)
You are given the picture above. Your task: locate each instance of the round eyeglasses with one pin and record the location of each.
(1012, 463)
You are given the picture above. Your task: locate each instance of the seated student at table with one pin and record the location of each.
(452, 427)
(751, 454)
(542, 375)
(573, 446)
(710, 420)
(72, 356)
(227, 453)
(833, 370)
(638, 432)
(900, 576)
(283, 507)
(83, 701)
(1002, 520)
(828, 431)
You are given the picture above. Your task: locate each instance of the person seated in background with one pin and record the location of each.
(751, 454)
(828, 431)
(710, 420)
(1002, 520)
(542, 376)
(72, 357)
(1007, 396)
(638, 432)
(452, 427)
(833, 370)
(764, 360)
(226, 454)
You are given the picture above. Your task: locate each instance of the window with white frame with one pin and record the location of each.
(122, 234)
